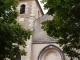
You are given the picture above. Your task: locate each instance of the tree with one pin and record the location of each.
(12, 35)
(65, 25)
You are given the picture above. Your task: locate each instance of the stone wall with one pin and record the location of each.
(32, 12)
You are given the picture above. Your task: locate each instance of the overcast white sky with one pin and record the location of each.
(42, 7)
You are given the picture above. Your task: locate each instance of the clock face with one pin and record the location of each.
(51, 54)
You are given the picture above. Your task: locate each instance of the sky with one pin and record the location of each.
(42, 7)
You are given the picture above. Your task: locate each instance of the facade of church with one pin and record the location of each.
(39, 46)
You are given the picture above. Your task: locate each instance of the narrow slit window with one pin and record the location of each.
(22, 9)
(38, 14)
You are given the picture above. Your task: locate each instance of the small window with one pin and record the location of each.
(18, 58)
(22, 9)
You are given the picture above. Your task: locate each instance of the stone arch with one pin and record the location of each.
(50, 49)
(22, 9)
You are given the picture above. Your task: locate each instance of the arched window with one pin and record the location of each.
(51, 52)
(22, 9)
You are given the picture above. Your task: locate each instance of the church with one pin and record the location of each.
(40, 46)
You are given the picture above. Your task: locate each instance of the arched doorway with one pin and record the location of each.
(51, 52)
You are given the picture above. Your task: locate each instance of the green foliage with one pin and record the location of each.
(12, 35)
(65, 25)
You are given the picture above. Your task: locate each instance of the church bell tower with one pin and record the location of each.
(40, 46)
(28, 12)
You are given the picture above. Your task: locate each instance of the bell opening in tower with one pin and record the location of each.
(22, 9)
